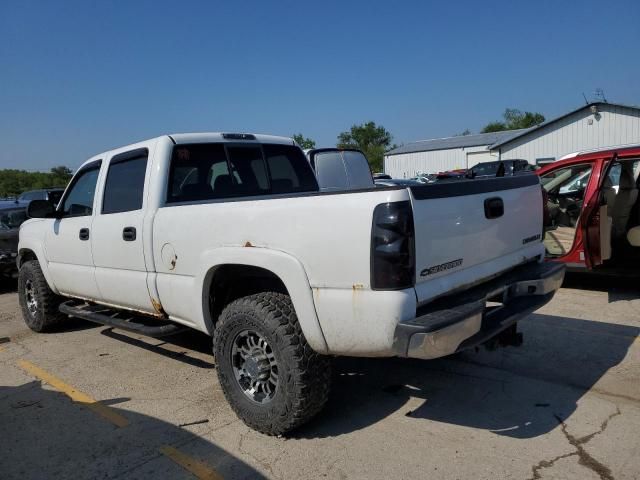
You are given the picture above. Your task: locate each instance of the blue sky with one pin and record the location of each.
(80, 77)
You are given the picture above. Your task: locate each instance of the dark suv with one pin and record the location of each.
(10, 221)
(12, 214)
(490, 169)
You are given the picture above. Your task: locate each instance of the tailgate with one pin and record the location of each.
(470, 230)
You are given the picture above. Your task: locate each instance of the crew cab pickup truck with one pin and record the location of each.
(230, 235)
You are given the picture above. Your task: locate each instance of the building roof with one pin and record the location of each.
(493, 139)
(460, 141)
(524, 132)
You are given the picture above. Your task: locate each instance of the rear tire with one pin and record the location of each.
(38, 302)
(269, 374)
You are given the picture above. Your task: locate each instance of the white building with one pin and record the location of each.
(596, 125)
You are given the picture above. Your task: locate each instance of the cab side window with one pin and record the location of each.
(78, 201)
(124, 187)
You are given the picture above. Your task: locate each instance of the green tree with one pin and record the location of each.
(513, 120)
(463, 133)
(14, 182)
(374, 140)
(60, 175)
(494, 127)
(304, 142)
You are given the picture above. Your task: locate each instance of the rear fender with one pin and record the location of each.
(281, 264)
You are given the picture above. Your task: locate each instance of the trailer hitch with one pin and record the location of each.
(509, 337)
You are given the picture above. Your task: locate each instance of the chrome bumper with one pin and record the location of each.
(461, 321)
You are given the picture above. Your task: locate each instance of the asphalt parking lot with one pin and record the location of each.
(91, 402)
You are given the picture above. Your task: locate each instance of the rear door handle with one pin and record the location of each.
(493, 207)
(83, 234)
(129, 234)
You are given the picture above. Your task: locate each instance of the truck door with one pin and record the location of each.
(117, 239)
(68, 239)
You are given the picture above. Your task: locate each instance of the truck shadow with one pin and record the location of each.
(8, 285)
(46, 435)
(618, 288)
(187, 342)
(515, 392)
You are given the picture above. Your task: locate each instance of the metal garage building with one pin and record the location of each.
(596, 125)
(442, 154)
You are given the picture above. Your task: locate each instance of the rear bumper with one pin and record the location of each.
(461, 321)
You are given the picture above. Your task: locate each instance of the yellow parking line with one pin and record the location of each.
(201, 470)
(74, 394)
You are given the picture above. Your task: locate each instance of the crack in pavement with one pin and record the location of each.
(603, 426)
(584, 458)
(547, 464)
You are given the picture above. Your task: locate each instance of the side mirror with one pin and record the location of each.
(40, 209)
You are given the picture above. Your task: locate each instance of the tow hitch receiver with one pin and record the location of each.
(510, 337)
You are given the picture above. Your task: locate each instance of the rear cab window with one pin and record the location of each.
(211, 171)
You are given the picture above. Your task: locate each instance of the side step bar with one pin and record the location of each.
(122, 319)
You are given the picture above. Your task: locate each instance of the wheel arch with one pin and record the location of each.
(29, 251)
(284, 271)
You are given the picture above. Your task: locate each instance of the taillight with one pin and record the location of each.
(392, 247)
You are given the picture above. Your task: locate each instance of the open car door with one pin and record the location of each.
(597, 223)
(597, 234)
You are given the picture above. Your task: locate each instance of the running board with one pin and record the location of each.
(122, 319)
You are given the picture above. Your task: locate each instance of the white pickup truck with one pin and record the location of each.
(229, 234)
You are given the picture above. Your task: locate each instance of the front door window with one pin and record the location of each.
(79, 199)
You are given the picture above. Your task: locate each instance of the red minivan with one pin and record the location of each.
(593, 218)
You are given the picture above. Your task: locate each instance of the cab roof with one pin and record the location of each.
(204, 137)
(180, 138)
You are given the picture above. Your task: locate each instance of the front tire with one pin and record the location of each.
(269, 374)
(38, 302)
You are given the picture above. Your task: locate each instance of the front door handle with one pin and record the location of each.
(129, 234)
(84, 234)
